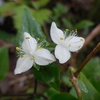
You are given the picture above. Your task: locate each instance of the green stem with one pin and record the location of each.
(94, 51)
(46, 32)
(35, 87)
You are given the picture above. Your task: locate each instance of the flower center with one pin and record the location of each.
(41, 43)
(20, 52)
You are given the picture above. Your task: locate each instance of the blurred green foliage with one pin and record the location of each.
(63, 96)
(4, 62)
(16, 8)
(63, 18)
(60, 13)
(30, 25)
(49, 74)
(83, 24)
(92, 72)
(7, 37)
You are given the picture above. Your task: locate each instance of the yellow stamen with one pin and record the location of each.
(32, 58)
(38, 39)
(69, 45)
(21, 56)
(39, 47)
(27, 38)
(17, 48)
(67, 30)
(76, 30)
(61, 38)
(79, 47)
(81, 39)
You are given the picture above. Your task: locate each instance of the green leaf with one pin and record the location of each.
(7, 8)
(30, 25)
(67, 23)
(50, 92)
(84, 24)
(87, 89)
(4, 63)
(63, 96)
(44, 13)
(92, 72)
(40, 3)
(48, 74)
(7, 37)
(50, 46)
(18, 15)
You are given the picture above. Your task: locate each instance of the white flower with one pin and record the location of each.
(30, 53)
(65, 44)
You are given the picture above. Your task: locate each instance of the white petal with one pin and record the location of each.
(62, 54)
(26, 35)
(43, 57)
(56, 34)
(74, 43)
(23, 64)
(29, 44)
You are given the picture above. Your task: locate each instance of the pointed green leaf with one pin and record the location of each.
(40, 3)
(63, 96)
(84, 24)
(49, 74)
(45, 15)
(4, 63)
(50, 92)
(30, 25)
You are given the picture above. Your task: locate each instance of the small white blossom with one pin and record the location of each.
(30, 53)
(65, 44)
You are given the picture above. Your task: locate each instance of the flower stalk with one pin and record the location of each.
(74, 82)
(93, 52)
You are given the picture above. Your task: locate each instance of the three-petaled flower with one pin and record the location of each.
(30, 53)
(65, 44)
